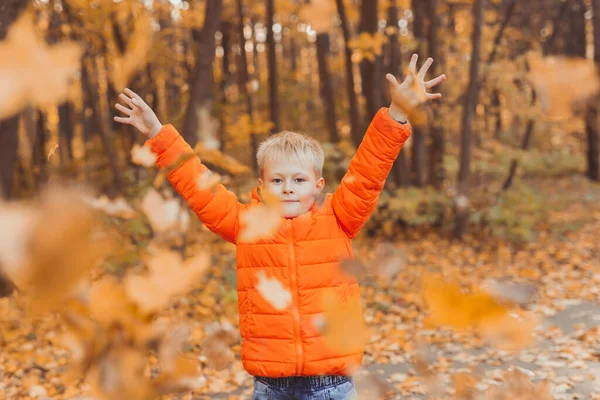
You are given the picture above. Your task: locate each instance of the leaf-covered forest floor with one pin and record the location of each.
(562, 262)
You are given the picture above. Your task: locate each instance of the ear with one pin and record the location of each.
(320, 184)
(260, 182)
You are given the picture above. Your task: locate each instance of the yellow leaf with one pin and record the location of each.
(142, 155)
(562, 82)
(33, 72)
(168, 275)
(273, 291)
(52, 151)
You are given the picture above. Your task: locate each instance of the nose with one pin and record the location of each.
(287, 188)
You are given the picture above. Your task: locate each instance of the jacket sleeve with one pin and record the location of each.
(356, 197)
(218, 209)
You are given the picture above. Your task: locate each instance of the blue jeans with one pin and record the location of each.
(327, 387)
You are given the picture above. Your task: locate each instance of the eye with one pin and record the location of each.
(300, 180)
(276, 180)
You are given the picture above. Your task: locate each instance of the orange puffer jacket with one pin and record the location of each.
(303, 255)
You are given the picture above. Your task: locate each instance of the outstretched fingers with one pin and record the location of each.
(433, 96)
(135, 98)
(392, 80)
(123, 109)
(435, 81)
(412, 66)
(425, 68)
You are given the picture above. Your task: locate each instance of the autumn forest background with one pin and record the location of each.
(479, 268)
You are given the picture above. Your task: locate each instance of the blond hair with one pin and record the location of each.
(287, 145)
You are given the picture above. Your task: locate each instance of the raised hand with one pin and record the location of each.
(411, 93)
(139, 114)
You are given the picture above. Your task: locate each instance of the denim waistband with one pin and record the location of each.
(314, 382)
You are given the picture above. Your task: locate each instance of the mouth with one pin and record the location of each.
(291, 201)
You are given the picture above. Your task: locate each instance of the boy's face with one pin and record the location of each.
(295, 184)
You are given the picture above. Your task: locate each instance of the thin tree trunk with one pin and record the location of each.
(102, 123)
(65, 137)
(515, 163)
(400, 168)
(293, 55)
(419, 131)
(243, 78)
(226, 44)
(9, 144)
(355, 124)
(371, 70)
(464, 173)
(593, 137)
(436, 129)
(201, 92)
(272, 54)
(326, 86)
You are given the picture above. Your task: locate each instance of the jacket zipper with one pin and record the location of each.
(294, 287)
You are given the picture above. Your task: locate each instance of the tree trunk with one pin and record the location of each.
(272, 54)
(226, 44)
(200, 103)
(9, 144)
(355, 124)
(419, 131)
(400, 168)
(464, 173)
(9, 12)
(65, 115)
(101, 122)
(326, 86)
(243, 78)
(593, 137)
(515, 163)
(436, 129)
(293, 55)
(575, 40)
(371, 71)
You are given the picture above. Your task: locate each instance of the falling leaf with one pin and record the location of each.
(450, 307)
(344, 328)
(273, 291)
(516, 293)
(108, 302)
(163, 215)
(259, 222)
(135, 58)
(142, 155)
(208, 180)
(561, 82)
(52, 151)
(319, 14)
(519, 387)
(57, 242)
(216, 347)
(168, 275)
(115, 208)
(34, 73)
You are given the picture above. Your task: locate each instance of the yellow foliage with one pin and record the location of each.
(33, 72)
(368, 45)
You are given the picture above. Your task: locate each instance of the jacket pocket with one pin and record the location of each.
(246, 310)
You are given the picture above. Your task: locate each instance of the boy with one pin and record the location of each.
(282, 348)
